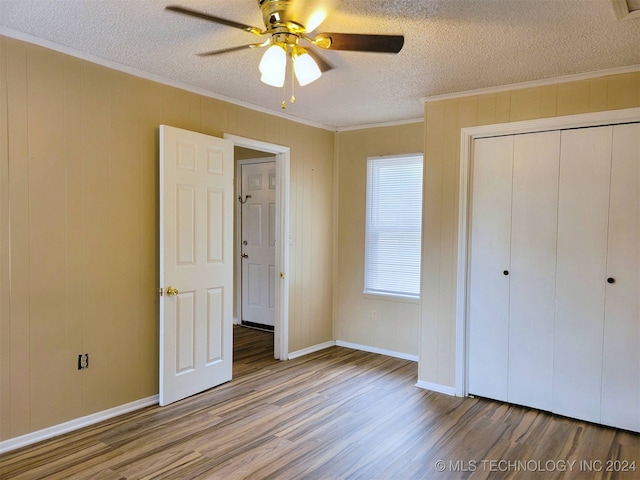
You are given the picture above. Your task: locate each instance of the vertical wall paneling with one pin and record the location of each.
(573, 98)
(442, 155)
(18, 166)
(431, 228)
(396, 323)
(5, 309)
(623, 91)
(93, 141)
(47, 226)
(462, 111)
(306, 227)
(124, 217)
(81, 156)
(74, 229)
(150, 114)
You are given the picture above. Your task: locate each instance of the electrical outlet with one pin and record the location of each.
(374, 314)
(83, 361)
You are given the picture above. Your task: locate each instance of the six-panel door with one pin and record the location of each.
(196, 262)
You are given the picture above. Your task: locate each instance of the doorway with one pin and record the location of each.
(281, 156)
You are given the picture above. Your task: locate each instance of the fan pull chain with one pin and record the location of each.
(293, 98)
(284, 96)
(284, 92)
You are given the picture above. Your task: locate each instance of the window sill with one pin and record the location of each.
(388, 297)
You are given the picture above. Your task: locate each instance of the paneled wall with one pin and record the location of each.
(396, 325)
(443, 121)
(78, 230)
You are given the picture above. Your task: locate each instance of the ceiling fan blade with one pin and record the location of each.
(323, 65)
(360, 42)
(232, 49)
(212, 18)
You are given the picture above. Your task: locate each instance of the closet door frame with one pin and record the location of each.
(467, 139)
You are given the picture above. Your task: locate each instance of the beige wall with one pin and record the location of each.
(78, 171)
(443, 121)
(397, 323)
(78, 268)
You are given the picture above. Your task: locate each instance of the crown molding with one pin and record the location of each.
(534, 83)
(26, 37)
(622, 10)
(379, 125)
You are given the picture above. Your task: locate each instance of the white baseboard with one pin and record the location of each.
(355, 346)
(75, 424)
(381, 351)
(436, 387)
(308, 350)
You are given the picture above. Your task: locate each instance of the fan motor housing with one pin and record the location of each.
(285, 37)
(277, 13)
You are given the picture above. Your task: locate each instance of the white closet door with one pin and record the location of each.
(533, 268)
(489, 258)
(585, 164)
(621, 362)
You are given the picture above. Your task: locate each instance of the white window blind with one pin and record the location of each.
(393, 226)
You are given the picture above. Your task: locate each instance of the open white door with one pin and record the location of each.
(196, 262)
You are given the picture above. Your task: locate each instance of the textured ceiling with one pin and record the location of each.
(450, 46)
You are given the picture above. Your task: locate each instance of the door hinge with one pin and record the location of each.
(160, 291)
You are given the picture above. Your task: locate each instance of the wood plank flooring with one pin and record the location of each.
(335, 414)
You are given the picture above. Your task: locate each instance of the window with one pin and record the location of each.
(393, 226)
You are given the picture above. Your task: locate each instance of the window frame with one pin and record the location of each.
(369, 290)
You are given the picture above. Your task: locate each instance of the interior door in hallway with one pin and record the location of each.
(258, 202)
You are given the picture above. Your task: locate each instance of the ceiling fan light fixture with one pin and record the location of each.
(304, 66)
(273, 66)
(289, 21)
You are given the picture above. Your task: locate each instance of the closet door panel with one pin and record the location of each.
(533, 265)
(621, 350)
(585, 164)
(489, 258)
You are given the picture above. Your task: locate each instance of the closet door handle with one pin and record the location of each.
(506, 272)
(611, 280)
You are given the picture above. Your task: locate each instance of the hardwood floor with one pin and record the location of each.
(335, 414)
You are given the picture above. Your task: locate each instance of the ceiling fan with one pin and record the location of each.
(287, 25)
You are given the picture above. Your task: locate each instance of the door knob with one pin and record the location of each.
(506, 272)
(172, 291)
(611, 280)
(244, 255)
